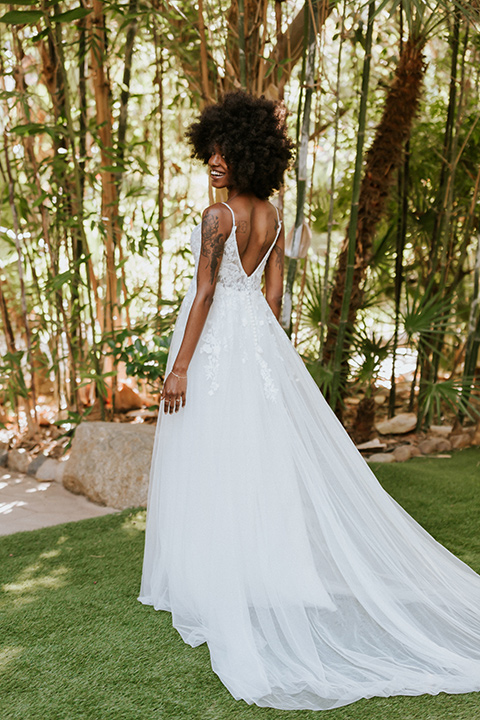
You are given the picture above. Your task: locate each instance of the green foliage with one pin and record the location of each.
(369, 353)
(425, 313)
(12, 380)
(21, 17)
(142, 361)
(56, 149)
(436, 396)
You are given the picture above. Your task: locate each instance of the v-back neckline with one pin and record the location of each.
(265, 257)
(234, 233)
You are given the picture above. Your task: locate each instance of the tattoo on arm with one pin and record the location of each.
(212, 243)
(278, 257)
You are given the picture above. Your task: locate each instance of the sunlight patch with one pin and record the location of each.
(28, 584)
(135, 521)
(49, 554)
(6, 508)
(8, 654)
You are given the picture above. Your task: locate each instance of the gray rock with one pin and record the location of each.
(3, 458)
(428, 446)
(476, 436)
(441, 431)
(110, 463)
(461, 441)
(35, 464)
(402, 453)
(51, 470)
(18, 460)
(443, 445)
(382, 458)
(402, 389)
(398, 425)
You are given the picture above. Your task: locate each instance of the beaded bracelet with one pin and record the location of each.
(180, 377)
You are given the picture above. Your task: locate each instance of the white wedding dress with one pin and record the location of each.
(269, 537)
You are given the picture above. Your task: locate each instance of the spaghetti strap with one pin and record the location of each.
(233, 214)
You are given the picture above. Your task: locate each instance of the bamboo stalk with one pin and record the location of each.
(125, 93)
(31, 422)
(352, 231)
(242, 59)
(206, 96)
(308, 82)
(331, 203)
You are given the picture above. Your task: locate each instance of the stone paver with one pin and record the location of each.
(27, 504)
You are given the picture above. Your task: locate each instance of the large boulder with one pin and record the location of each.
(110, 463)
(398, 425)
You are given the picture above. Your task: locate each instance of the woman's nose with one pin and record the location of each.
(215, 159)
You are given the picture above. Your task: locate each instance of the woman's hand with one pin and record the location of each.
(174, 393)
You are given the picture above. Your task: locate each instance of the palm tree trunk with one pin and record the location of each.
(382, 161)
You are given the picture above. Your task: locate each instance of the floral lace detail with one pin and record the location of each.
(231, 273)
(211, 347)
(213, 343)
(269, 387)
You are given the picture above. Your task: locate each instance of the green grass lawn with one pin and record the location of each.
(75, 643)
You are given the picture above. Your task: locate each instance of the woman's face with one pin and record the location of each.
(220, 173)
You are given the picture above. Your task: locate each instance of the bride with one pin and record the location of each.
(268, 537)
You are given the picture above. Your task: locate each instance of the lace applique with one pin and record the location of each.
(269, 387)
(213, 342)
(211, 348)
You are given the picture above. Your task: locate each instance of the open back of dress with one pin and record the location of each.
(269, 537)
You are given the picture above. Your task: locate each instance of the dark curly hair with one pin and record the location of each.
(252, 135)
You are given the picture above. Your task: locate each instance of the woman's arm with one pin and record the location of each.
(216, 226)
(274, 275)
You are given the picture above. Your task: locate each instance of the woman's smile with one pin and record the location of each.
(220, 174)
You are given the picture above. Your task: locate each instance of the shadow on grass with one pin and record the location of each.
(76, 644)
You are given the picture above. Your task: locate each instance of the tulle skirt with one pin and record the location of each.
(269, 537)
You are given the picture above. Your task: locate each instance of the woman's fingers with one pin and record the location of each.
(173, 404)
(173, 394)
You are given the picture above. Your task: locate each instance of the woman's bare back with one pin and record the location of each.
(257, 223)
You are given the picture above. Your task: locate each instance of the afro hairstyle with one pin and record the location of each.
(252, 136)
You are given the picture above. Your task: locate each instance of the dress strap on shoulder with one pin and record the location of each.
(233, 214)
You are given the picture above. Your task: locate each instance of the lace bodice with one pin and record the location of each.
(231, 273)
(239, 316)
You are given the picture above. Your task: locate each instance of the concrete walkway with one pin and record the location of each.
(27, 504)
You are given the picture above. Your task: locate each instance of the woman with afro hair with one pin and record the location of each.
(268, 537)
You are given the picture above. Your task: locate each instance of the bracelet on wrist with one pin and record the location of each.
(180, 377)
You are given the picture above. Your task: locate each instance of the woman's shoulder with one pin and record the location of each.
(218, 216)
(219, 209)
